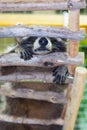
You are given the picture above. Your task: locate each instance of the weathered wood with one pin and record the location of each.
(47, 31)
(55, 59)
(21, 5)
(52, 97)
(74, 26)
(44, 77)
(68, 97)
(75, 98)
(30, 121)
(36, 86)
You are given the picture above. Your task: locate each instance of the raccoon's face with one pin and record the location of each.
(42, 45)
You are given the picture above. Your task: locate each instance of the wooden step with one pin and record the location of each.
(32, 77)
(55, 59)
(21, 5)
(49, 96)
(30, 121)
(39, 31)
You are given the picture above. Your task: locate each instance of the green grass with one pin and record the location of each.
(83, 48)
(5, 43)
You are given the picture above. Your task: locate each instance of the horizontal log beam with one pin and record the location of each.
(52, 97)
(30, 121)
(44, 77)
(21, 5)
(46, 31)
(55, 59)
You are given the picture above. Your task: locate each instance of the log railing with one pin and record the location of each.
(21, 5)
(45, 31)
(55, 59)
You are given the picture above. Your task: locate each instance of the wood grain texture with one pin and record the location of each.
(33, 121)
(43, 77)
(75, 98)
(73, 48)
(52, 97)
(55, 59)
(45, 31)
(21, 5)
(74, 23)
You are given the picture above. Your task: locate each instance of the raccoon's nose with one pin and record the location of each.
(43, 41)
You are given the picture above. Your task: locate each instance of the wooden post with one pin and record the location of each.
(74, 26)
(76, 96)
(73, 45)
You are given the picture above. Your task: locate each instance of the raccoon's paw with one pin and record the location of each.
(60, 73)
(26, 54)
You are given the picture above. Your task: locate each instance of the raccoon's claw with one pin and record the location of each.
(60, 73)
(26, 54)
(59, 79)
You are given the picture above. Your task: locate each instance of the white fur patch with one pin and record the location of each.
(36, 45)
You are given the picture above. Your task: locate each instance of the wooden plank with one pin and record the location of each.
(75, 98)
(45, 31)
(55, 59)
(30, 121)
(49, 96)
(43, 77)
(21, 5)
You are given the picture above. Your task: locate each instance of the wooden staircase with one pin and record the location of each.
(32, 101)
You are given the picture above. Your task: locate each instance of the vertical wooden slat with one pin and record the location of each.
(74, 26)
(73, 47)
(80, 75)
(76, 96)
(74, 19)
